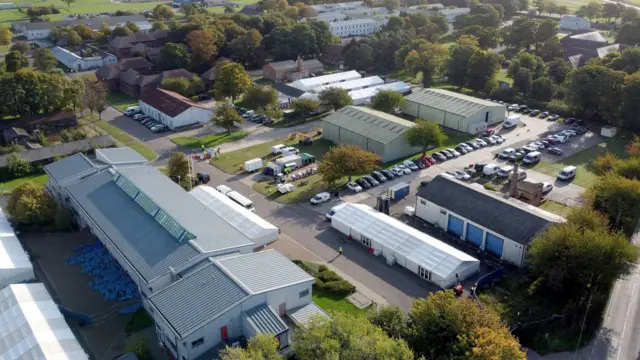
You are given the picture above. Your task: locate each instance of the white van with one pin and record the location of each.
(511, 121)
(241, 200)
(504, 172)
(277, 149)
(506, 153)
(521, 175)
(532, 157)
(223, 189)
(132, 110)
(290, 151)
(490, 169)
(567, 173)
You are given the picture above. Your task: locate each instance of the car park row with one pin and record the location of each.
(146, 120)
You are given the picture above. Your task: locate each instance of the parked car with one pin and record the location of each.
(473, 145)
(580, 130)
(570, 121)
(363, 183)
(466, 147)
(354, 187)
(371, 180)
(379, 176)
(527, 149)
(520, 176)
(479, 167)
(560, 139)
(540, 144)
(429, 159)
(460, 149)
(578, 122)
(470, 171)
(554, 117)
(546, 187)
(481, 142)
(522, 108)
(410, 164)
(447, 154)
(488, 132)
(526, 111)
(504, 171)
(488, 140)
(569, 133)
(555, 151)
(387, 174)
(513, 107)
(320, 198)
(490, 169)
(497, 139)
(137, 116)
(403, 168)
(567, 173)
(396, 171)
(517, 156)
(453, 152)
(543, 114)
(506, 153)
(461, 175)
(438, 156)
(534, 112)
(203, 177)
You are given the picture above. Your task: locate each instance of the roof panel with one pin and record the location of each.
(310, 83)
(305, 313)
(264, 270)
(68, 167)
(120, 156)
(264, 320)
(352, 84)
(375, 125)
(12, 255)
(450, 101)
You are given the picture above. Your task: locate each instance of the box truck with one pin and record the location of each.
(512, 120)
(398, 191)
(253, 165)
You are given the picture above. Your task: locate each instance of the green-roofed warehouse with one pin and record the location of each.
(456, 111)
(369, 129)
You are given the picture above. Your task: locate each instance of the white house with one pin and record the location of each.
(78, 63)
(41, 30)
(356, 27)
(173, 109)
(451, 14)
(574, 22)
(502, 228)
(401, 244)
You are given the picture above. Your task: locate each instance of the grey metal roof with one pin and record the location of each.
(123, 155)
(264, 320)
(211, 231)
(149, 248)
(372, 124)
(450, 101)
(50, 152)
(94, 23)
(263, 271)
(510, 219)
(303, 314)
(197, 299)
(68, 167)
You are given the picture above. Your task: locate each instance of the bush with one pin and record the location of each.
(328, 276)
(17, 166)
(559, 107)
(339, 288)
(11, 149)
(327, 280)
(311, 268)
(604, 163)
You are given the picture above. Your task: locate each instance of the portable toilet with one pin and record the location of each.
(307, 159)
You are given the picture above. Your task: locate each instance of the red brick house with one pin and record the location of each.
(125, 46)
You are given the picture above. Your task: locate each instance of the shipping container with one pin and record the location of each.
(399, 191)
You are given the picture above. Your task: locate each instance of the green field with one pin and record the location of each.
(210, 140)
(121, 101)
(8, 186)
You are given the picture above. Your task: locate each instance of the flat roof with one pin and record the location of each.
(309, 83)
(372, 124)
(399, 86)
(263, 271)
(306, 313)
(352, 84)
(69, 166)
(120, 156)
(450, 101)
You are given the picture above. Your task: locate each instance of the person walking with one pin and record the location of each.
(340, 250)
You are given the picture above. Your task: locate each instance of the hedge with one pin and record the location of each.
(327, 280)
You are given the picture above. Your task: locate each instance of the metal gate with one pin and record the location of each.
(474, 235)
(455, 226)
(494, 245)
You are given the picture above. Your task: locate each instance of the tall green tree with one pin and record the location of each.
(542, 89)
(335, 98)
(558, 70)
(521, 34)
(304, 106)
(429, 60)
(5, 37)
(260, 347)
(243, 49)
(425, 134)
(179, 85)
(226, 117)
(619, 199)
(349, 160)
(630, 102)
(162, 12)
(610, 11)
(458, 63)
(392, 320)
(628, 15)
(43, 60)
(202, 44)
(30, 204)
(173, 56)
(524, 60)
(178, 167)
(483, 70)
(261, 97)
(231, 80)
(359, 56)
(387, 101)
(596, 90)
(391, 5)
(15, 61)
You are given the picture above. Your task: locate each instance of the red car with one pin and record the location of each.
(489, 132)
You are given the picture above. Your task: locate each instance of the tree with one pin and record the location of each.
(304, 106)
(523, 81)
(425, 134)
(482, 71)
(74, 94)
(487, 37)
(458, 63)
(590, 11)
(546, 30)
(490, 344)
(392, 320)
(610, 10)
(68, 2)
(196, 86)
(618, 198)
(173, 56)
(96, 96)
(335, 98)
(628, 15)
(264, 97)
(231, 80)
(391, 5)
(347, 337)
(542, 89)
(550, 49)
(178, 167)
(243, 49)
(83, 31)
(29, 204)
(179, 85)
(120, 30)
(387, 101)
(527, 61)
(159, 25)
(596, 90)
(359, 56)
(558, 70)
(202, 45)
(162, 12)
(542, 6)
(17, 166)
(630, 102)
(73, 39)
(429, 60)
(15, 61)
(43, 60)
(20, 46)
(5, 36)
(350, 160)
(132, 26)
(521, 34)
(262, 346)
(226, 117)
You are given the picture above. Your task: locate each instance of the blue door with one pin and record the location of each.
(494, 245)
(474, 235)
(456, 226)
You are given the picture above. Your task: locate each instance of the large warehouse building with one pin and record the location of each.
(369, 129)
(502, 228)
(401, 244)
(456, 111)
(15, 266)
(191, 256)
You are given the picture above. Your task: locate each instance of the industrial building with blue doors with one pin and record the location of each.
(191, 256)
(501, 227)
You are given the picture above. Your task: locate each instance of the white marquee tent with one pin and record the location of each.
(258, 230)
(314, 82)
(402, 244)
(15, 266)
(32, 327)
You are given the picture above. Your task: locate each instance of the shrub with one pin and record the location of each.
(559, 107)
(339, 288)
(605, 163)
(311, 268)
(17, 166)
(328, 276)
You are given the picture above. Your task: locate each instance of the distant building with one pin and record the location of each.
(292, 70)
(451, 14)
(41, 30)
(173, 109)
(52, 121)
(315, 82)
(78, 62)
(574, 22)
(46, 154)
(579, 47)
(356, 27)
(251, 10)
(332, 54)
(127, 46)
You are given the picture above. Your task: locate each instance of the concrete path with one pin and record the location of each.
(262, 134)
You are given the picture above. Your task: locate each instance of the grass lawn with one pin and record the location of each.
(4, 49)
(124, 138)
(502, 76)
(209, 140)
(312, 185)
(139, 321)
(585, 176)
(8, 186)
(555, 207)
(121, 101)
(334, 304)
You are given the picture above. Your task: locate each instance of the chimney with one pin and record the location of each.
(514, 180)
(299, 64)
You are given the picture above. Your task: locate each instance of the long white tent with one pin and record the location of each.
(32, 327)
(314, 82)
(363, 96)
(15, 266)
(399, 243)
(258, 230)
(353, 85)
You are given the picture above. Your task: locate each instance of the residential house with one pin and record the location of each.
(209, 76)
(251, 10)
(89, 57)
(16, 135)
(47, 153)
(128, 46)
(56, 120)
(173, 109)
(580, 47)
(574, 23)
(41, 30)
(110, 74)
(292, 70)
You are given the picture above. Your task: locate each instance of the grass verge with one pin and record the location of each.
(333, 304)
(121, 101)
(312, 185)
(209, 140)
(555, 207)
(295, 122)
(139, 321)
(126, 140)
(8, 186)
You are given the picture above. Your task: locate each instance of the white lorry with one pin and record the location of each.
(253, 165)
(512, 120)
